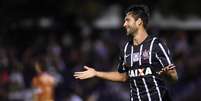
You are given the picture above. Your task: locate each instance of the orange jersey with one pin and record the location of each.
(44, 84)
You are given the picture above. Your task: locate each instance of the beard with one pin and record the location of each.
(131, 31)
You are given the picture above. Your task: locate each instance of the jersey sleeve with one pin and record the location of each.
(163, 54)
(121, 67)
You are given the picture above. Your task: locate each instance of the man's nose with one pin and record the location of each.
(124, 24)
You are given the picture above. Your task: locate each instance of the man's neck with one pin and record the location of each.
(139, 37)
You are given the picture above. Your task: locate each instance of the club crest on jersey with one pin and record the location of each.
(145, 54)
(140, 72)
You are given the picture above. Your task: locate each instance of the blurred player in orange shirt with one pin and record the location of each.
(43, 83)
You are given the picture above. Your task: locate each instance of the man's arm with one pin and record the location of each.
(90, 72)
(164, 57)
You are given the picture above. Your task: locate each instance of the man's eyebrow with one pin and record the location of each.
(125, 18)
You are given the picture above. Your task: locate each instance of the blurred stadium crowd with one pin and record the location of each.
(70, 34)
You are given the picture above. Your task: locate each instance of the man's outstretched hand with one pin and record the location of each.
(88, 73)
(166, 69)
(169, 71)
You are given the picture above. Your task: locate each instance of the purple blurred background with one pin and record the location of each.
(69, 34)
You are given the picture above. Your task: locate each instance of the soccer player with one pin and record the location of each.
(145, 61)
(43, 83)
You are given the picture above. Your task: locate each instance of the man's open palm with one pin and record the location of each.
(88, 73)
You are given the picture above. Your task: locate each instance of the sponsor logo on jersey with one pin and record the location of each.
(139, 72)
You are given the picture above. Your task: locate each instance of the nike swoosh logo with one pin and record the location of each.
(127, 55)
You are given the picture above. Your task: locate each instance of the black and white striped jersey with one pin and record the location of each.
(141, 63)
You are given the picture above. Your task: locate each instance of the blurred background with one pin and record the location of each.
(68, 34)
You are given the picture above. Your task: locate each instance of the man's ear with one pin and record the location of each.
(139, 21)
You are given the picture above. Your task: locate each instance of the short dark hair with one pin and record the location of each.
(140, 11)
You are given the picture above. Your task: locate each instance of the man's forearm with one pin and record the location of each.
(113, 76)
